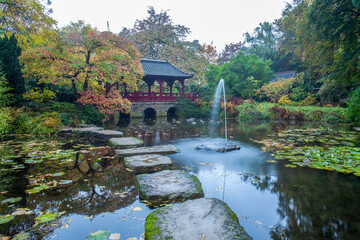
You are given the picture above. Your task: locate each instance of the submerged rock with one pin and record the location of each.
(148, 163)
(125, 142)
(162, 149)
(204, 218)
(168, 186)
(218, 147)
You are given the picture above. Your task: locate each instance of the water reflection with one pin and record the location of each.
(271, 201)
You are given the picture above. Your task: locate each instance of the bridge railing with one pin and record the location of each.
(156, 97)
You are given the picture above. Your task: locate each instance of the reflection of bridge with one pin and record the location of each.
(161, 102)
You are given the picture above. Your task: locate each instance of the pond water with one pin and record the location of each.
(84, 188)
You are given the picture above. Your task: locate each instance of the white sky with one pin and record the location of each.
(217, 21)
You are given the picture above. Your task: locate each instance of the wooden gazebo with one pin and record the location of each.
(160, 71)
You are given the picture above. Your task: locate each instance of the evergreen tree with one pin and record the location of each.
(9, 61)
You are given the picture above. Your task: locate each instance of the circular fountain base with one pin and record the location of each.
(218, 147)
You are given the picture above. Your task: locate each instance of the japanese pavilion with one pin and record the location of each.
(159, 71)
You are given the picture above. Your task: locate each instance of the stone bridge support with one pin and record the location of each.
(161, 108)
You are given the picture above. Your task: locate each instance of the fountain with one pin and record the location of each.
(218, 146)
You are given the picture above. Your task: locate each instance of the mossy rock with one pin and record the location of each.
(204, 218)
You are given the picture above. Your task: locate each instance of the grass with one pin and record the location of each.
(266, 111)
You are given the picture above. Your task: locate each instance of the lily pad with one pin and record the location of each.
(21, 236)
(37, 189)
(6, 218)
(99, 235)
(47, 217)
(11, 200)
(58, 174)
(32, 161)
(65, 182)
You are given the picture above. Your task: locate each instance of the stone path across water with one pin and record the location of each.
(204, 218)
(168, 186)
(193, 219)
(148, 163)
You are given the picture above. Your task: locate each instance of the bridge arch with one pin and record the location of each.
(172, 112)
(149, 113)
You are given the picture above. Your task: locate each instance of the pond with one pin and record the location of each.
(64, 188)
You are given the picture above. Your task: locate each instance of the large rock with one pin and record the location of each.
(148, 163)
(126, 142)
(204, 218)
(162, 149)
(168, 186)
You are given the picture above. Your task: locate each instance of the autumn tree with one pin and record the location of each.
(229, 52)
(321, 38)
(86, 59)
(157, 37)
(29, 20)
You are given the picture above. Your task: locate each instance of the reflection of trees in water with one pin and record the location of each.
(99, 183)
(315, 204)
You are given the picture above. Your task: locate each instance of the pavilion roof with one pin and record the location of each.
(162, 69)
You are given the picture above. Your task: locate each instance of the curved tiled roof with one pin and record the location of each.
(161, 68)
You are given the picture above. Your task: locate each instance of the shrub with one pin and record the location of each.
(309, 100)
(40, 95)
(284, 100)
(317, 115)
(249, 112)
(45, 124)
(274, 90)
(6, 120)
(280, 113)
(353, 111)
(298, 116)
(332, 92)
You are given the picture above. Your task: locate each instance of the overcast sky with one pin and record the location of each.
(217, 21)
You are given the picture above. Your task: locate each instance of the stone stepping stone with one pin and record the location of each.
(80, 130)
(204, 218)
(148, 163)
(126, 142)
(162, 149)
(168, 186)
(105, 134)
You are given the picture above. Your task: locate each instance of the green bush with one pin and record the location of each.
(353, 110)
(249, 112)
(45, 124)
(64, 107)
(6, 120)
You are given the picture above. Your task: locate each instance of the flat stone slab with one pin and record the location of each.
(125, 142)
(204, 218)
(80, 130)
(105, 134)
(162, 149)
(148, 163)
(94, 132)
(168, 186)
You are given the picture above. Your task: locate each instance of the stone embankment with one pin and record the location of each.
(159, 184)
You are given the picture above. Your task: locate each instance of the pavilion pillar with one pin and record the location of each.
(182, 82)
(161, 82)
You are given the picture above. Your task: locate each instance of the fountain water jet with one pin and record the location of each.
(222, 146)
